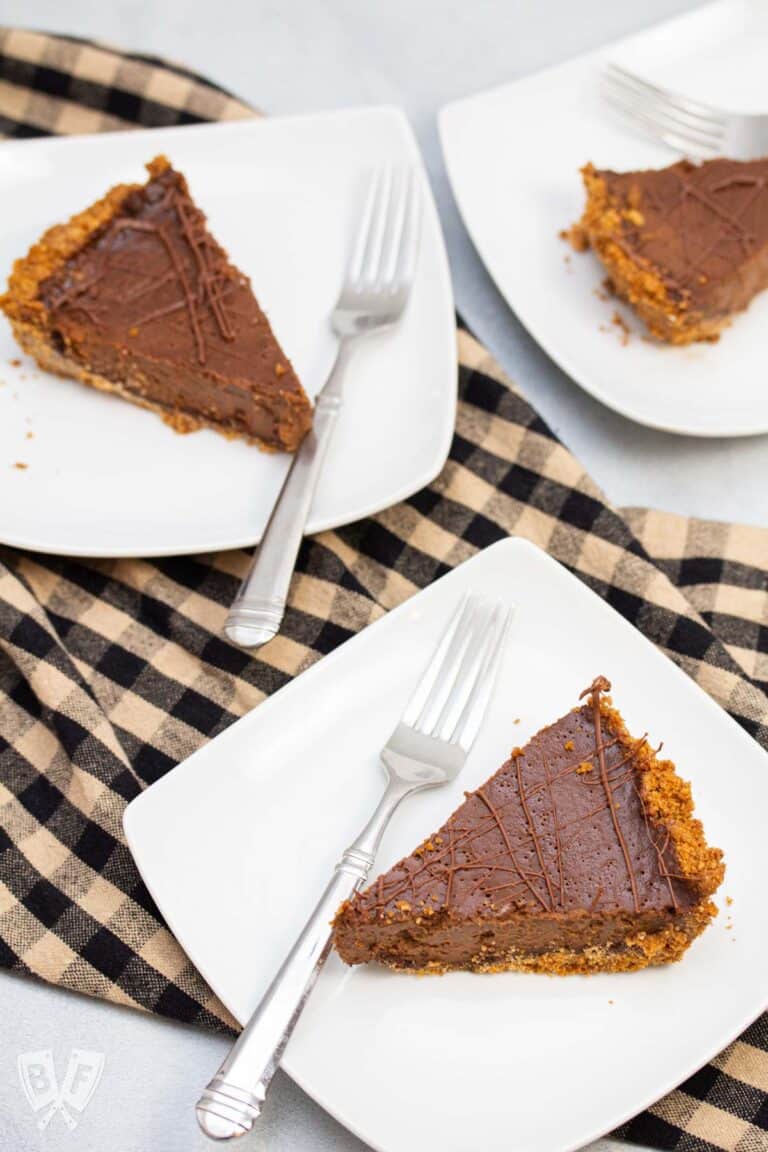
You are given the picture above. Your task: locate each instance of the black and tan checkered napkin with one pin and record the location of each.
(113, 671)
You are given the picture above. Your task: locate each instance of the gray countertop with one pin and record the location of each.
(302, 55)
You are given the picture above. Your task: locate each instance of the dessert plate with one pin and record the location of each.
(104, 478)
(513, 157)
(506, 1063)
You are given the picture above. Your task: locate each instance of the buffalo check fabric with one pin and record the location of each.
(111, 672)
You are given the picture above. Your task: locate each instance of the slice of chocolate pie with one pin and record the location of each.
(134, 296)
(580, 855)
(686, 246)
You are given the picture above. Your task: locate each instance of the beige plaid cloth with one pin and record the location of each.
(113, 671)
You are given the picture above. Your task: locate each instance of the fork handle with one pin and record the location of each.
(257, 612)
(232, 1101)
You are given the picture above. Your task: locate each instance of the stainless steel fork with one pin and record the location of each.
(694, 128)
(373, 297)
(427, 748)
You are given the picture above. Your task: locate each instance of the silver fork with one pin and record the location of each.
(689, 126)
(373, 297)
(427, 748)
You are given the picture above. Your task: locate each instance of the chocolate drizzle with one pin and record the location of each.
(506, 847)
(602, 685)
(178, 270)
(175, 216)
(210, 279)
(698, 224)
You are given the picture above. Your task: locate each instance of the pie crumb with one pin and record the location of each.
(622, 325)
(576, 236)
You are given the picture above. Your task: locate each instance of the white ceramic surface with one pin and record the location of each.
(236, 843)
(513, 157)
(283, 196)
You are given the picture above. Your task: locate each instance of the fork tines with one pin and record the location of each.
(684, 124)
(384, 250)
(452, 696)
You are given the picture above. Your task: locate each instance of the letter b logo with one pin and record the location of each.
(39, 1078)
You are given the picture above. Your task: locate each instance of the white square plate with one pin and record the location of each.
(513, 157)
(283, 196)
(503, 1063)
